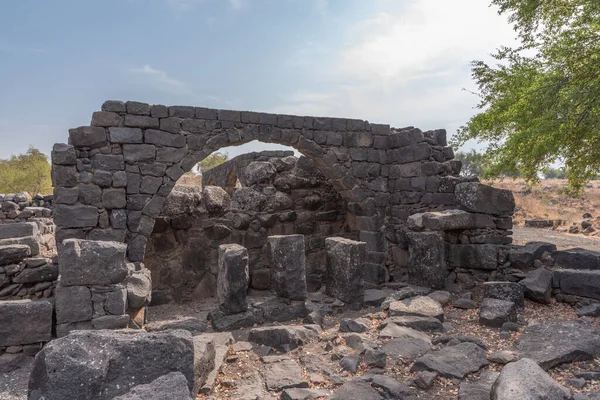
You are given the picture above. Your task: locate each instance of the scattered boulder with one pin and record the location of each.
(466, 304)
(13, 254)
(355, 390)
(216, 199)
(503, 357)
(302, 394)
(375, 358)
(585, 283)
(290, 337)
(538, 285)
(593, 310)
(107, 364)
(425, 379)
(424, 324)
(421, 306)
(257, 172)
(357, 325)
(524, 379)
(509, 291)
(577, 259)
(391, 387)
(524, 256)
(282, 373)
(406, 348)
(495, 313)
(554, 343)
(479, 389)
(453, 361)
(350, 363)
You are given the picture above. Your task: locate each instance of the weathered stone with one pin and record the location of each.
(87, 136)
(355, 390)
(503, 357)
(285, 337)
(111, 322)
(407, 347)
(391, 387)
(538, 285)
(420, 306)
(288, 266)
(24, 322)
(453, 361)
(77, 216)
(450, 220)
(524, 256)
(281, 310)
(509, 291)
(139, 289)
(107, 364)
(479, 389)
(64, 175)
(13, 254)
(473, 256)
(246, 199)
(495, 312)
(257, 172)
(229, 322)
(125, 135)
(479, 198)
(426, 264)
(554, 343)
(63, 154)
(48, 272)
(345, 259)
(350, 363)
(139, 152)
(282, 374)
(87, 262)
(425, 324)
(233, 278)
(73, 304)
(593, 310)
(163, 138)
(466, 304)
(358, 325)
(584, 283)
(302, 394)
(173, 385)
(216, 200)
(524, 379)
(577, 259)
(114, 198)
(204, 360)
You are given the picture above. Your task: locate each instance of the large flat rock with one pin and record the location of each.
(524, 379)
(285, 336)
(283, 373)
(453, 361)
(577, 259)
(420, 306)
(554, 343)
(25, 322)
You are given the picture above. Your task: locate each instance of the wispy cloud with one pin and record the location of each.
(238, 4)
(158, 77)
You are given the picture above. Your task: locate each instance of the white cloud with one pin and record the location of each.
(158, 78)
(407, 66)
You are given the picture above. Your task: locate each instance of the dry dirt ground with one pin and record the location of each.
(522, 235)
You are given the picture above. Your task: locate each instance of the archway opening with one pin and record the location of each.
(243, 200)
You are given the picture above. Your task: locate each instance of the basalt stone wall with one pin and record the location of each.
(112, 179)
(27, 247)
(286, 196)
(227, 174)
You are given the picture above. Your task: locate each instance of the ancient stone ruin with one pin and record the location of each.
(366, 217)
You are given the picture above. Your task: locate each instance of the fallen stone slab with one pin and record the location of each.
(406, 348)
(524, 379)
(359, 341)
(577, 259)
(356, 390)
(593, 310)
(450, 220)
(445, 339)
(374, 297)
(357, 325)
(107, 364)
(192, 324)
(13, 254)
(288, 337)
(278, 309)
(465, 304)
(222, 322)
(170, 386)
(302, 394)
(391, 387)
(282, 373)
(423, 324)
(220, 342)
(204, 361)
(395, 331)
(479, 389)
(404, 293)
(421, 306)
(25, 322)
(495, 313)
(524, 256)
(585, 283)
(554, 343)
(453, 361)
(480, 198)
(538, 285)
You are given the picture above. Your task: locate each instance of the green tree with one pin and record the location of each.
(29, 172)
(554, 173)
(216, 158)
(473, 163)
(541, 102)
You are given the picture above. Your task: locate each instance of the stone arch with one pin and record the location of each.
(112, 179)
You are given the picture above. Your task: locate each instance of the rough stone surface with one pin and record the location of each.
(495, 313)
(89, 262)
(450, 220)
(355, 390)
(524, 256)
(13, 254)
(345, 259)
(509, 291)
(554, 343)
(420, 306)
(24, 322)
(289, 337)
(173, 385)
(479, 389)
(524, 379)
(538, 285)
(585, 283)
(577, 259)
(233, 279)
(283, 373)
(454, 361)
(426, 264)
(106, 364)
(479, 198)
(288, 266)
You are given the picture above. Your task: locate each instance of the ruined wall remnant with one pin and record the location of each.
(285, 196)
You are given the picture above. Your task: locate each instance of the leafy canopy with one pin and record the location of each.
(473, 163)
(216, 158)
(540, 104)
(29, 172)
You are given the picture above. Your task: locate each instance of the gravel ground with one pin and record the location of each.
(522, 235)
(13, 386)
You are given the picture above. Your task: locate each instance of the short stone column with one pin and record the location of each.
(233, 279)
(288, 266)
(426, 263)
(345, 264)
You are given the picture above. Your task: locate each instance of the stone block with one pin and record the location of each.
(288, 266)
(77, 216)
(63, 154)
(88, 262)
(73, 304)
(114, 106)
(64, 175)
(473, 256)
(585, 283)
(137, 108)
(344, 270)
(114, 198)
(13, 254)
(106, 119)
(140, 121)
(479, 198)
(233, 279)
(88, 136)
(64, 195)
(108, 162)
(577, 259)
(139, 152)
(495, 312)
(182, 111)
(426, 259)
(125, 135)
(25, 322)
(20, 229)
(450, 220)
(162, 138)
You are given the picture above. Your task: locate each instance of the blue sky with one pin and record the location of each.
(402, 62)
